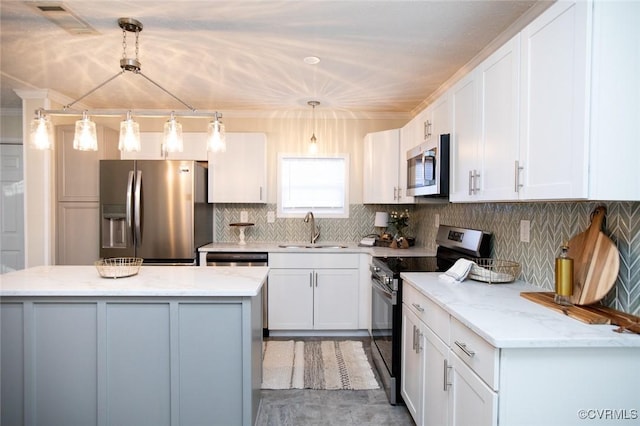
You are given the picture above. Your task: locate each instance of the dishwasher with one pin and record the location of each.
(238, 258)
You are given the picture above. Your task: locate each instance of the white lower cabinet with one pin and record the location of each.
(471, 401)
(313, 291)
(438, 386)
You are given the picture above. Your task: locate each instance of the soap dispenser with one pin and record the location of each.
(564, 277)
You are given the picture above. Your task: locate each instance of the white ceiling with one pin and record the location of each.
(375, 56)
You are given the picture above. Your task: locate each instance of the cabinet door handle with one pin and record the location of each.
(517, 179)
(315, 278)
(260, 194)
(399, 193)
(476, 185)
(470, 182)
(418, 307)
(310, 279)
(413, 341)
(463, 348)
(445, 378)
(395, 193)
(418, 340)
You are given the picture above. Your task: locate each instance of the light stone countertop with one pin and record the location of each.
(171, 281)
(273, 247)
(505, 319)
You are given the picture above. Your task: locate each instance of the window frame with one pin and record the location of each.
(317, 211)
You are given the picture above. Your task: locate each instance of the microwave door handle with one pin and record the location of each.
(424, 168)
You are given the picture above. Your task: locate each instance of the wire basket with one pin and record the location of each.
(495, 271)
(118, 267)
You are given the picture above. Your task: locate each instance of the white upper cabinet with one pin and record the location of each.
(239, 175)
(194, 148)
(498, 147)
(385, 169)
(554, 114)
(615, 102)
(466, 169)
(554, 104)
(485, 128)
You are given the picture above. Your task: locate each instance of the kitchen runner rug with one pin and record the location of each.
(325, 364)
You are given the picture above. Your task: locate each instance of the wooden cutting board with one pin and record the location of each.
(596, 262)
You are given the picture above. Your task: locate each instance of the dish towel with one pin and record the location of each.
(458, 272)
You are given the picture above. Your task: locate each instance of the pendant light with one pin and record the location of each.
(129, 135)
(215, 135)
(41, 131)
(313, 145)
(85, 137)
(173, 135)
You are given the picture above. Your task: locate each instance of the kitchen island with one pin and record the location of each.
(171, 345)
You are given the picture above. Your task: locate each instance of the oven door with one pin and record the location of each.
(385, 336)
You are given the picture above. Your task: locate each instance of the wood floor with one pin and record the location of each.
(302, 407)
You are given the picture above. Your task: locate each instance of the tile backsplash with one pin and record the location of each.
(550, 224)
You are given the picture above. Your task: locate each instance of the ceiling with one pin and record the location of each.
(375, 56)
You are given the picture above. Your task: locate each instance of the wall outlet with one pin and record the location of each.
(525, 228)
(271, 217)
(437, 220)
(244, 216)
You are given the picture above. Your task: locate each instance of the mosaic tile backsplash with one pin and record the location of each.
(551, 224)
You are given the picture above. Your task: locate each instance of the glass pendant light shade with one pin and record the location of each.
(129, 135)
(173, 135)
(215, 136)
(85, 137)
(313, 144)
(41, 132)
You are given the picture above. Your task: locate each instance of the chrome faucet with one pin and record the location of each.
(315, 230)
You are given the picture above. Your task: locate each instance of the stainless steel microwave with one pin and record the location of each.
(428, 169)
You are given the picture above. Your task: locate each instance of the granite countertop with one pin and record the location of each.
(274, 247)
(507, 320)
(181, 281)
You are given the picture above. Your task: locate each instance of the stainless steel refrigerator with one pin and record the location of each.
(154, 209)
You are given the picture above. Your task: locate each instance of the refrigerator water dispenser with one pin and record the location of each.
(114, 226)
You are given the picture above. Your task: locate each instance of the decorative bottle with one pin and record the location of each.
(564, 277)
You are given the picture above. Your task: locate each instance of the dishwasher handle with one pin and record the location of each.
(237, 258)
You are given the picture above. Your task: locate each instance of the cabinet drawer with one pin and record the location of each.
(436, 318)
(476, 352)
(314, 260)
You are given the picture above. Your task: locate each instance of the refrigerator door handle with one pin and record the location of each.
(137, 209)
(129, 207)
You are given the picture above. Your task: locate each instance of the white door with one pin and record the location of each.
(11, 208)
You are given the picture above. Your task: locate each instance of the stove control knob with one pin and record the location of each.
(388, 280)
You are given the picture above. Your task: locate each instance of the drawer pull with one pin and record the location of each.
(445, 379)
(463, 348)
(418, 307)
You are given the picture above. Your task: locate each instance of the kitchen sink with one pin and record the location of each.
(312, 246)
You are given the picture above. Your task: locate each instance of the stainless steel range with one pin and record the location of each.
(386, 295)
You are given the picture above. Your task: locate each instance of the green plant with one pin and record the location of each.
(399, 220)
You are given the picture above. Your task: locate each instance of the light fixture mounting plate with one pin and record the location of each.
(130, 24)
(313, 103)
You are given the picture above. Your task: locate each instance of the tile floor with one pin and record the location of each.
(307, 407)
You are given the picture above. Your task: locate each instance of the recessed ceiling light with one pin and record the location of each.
(311, 60)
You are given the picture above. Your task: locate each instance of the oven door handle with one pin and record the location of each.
(391, 295)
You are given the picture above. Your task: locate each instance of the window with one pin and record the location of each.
(317, 184)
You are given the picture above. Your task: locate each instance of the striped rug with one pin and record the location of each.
(325, 364)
